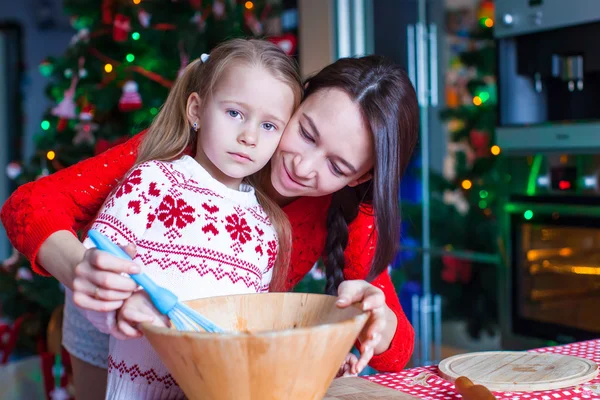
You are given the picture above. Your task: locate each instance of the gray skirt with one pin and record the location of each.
(81, 338)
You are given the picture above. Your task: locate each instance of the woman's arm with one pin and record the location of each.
(41, 217)
(397, 338)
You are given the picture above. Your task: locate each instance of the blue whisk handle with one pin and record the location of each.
(163, 299)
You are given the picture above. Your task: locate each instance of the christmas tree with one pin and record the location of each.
(108, 85)
(463, 197)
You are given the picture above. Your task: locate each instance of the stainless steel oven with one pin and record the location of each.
(548, 130)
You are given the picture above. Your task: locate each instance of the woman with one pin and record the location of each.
(336, 172)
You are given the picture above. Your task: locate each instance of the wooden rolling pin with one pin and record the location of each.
(469, 391)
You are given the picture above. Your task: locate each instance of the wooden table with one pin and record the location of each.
(362, 389)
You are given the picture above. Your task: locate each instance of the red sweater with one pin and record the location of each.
(70, 198)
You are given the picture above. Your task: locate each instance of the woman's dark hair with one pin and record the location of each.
(388, 104)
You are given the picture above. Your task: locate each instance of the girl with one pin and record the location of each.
(199, 229)
(362, 111)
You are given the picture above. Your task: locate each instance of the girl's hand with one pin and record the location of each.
(98, 284)
(137, 309)
(348, 367)
(372, 299)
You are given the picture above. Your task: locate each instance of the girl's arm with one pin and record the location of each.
(41, 217)
(124, 218)
(397, 339)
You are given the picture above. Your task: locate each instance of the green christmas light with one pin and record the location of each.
(46, 68)
(45, 125)
(528, 214)
(130, 57)
(135, 36)
(483, 194)
(484, 96)
(482, 204)
(154, 111)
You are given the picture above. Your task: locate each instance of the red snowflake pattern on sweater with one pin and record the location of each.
(127, 186)
(238, 228)
(175, 214)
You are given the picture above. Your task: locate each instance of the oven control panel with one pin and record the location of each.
(519, 17)
(552, 174)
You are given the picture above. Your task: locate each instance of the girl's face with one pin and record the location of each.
(326, 146)
(241, 123)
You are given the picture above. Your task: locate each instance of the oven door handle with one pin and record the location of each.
(533, 209)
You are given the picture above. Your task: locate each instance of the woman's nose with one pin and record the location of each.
(304, 167)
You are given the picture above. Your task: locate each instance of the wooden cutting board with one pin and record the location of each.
(512, 371)
(361, 389)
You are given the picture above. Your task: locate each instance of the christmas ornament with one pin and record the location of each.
(66, 108)
(144, 18)
(46, 68)
(25, 274)
(456, 199)
(86, 128)
(121, 28)
(287, 42)
(130, 99)
(107, 12)
(218, 9)
(480, 140)
(13, 170)
(83, 35)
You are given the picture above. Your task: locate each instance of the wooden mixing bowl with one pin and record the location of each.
(290, 347)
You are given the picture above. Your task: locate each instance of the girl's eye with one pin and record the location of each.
(306, 135)
(233, 113)
(269, 127)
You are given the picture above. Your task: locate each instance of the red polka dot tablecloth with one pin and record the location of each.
(425, 382)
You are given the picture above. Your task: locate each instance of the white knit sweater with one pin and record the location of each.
(194, 236)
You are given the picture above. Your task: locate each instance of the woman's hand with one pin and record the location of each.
(98, 284)
(137, 309)
(348, 366)
(380, 328)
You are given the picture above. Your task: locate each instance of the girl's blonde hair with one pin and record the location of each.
(170, 133)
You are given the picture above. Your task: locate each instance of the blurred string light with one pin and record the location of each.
(487, 22)
(495, 150)
(51, 155)
(108, 68)
(135, 36)
(249, 5)
(467, 184)
(481, 98)
(45, 125)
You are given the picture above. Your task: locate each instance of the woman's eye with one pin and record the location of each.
(233, 113)
(336, 170)
(269, 126)
(305, 135)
